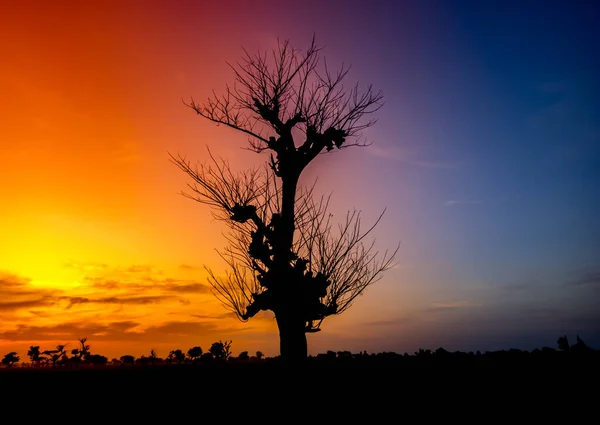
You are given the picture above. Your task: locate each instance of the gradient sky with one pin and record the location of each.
(486, 155)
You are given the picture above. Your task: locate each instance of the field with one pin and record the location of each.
(442, 385)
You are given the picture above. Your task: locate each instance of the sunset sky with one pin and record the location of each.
(486, 155)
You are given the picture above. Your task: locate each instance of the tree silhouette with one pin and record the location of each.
(176, 356)
(34, 355)
(221, 350)
(563, 344)
(96, 359)
(127, 359)
(195, 353)
(80, 354)
(153, 357)
(285, 254)
(56, 356)
(84, 351)
(10, 359)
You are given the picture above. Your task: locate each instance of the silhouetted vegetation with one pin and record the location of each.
(285, 253)
(220, 355)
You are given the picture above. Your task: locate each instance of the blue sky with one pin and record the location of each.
(486, 157)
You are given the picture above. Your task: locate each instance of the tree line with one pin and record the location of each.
(60, 357)
(220, 352)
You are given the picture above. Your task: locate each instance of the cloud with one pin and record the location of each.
(144, 283)
(214, 316)
(182, 286)
(123, 331)
(142, 268)
(8, 280)
(117, 300)
(587, 280)
(388, 152)
(262, 315)
(456, 305)
(86, 267)
(399, 154)
(188, 267)
(19, 305)
(17, 289)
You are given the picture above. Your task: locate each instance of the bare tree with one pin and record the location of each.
(285, 254)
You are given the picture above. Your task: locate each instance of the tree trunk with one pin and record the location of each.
(287, 226)
(292, 338)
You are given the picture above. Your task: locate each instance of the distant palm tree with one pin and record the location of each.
(153, 357)
(56, 356)
(84, 351)
(80, 354)
(34, 355)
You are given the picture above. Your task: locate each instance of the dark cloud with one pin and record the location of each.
(13, 285)
(8, 280)
(101, 283)
(16, 293)
(117, 300)
(69, 331)
(117, 331)
(260, 316)
(18, 305)
(227, 315)
(145, 283)
(141, 269)
(188, 267)
(198, 288)
(587, 280)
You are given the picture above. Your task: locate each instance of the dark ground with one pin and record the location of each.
(492, 387)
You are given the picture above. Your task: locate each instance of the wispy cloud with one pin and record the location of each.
(188, 267)
(17, 289)
(455, 305)
(144, 283)
(404, 155)
(587, 280)
(116, 300)
(129, 331)
(86, 267)
(25, 304)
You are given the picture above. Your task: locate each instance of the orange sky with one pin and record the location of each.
(494, 202)
(96, 240)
